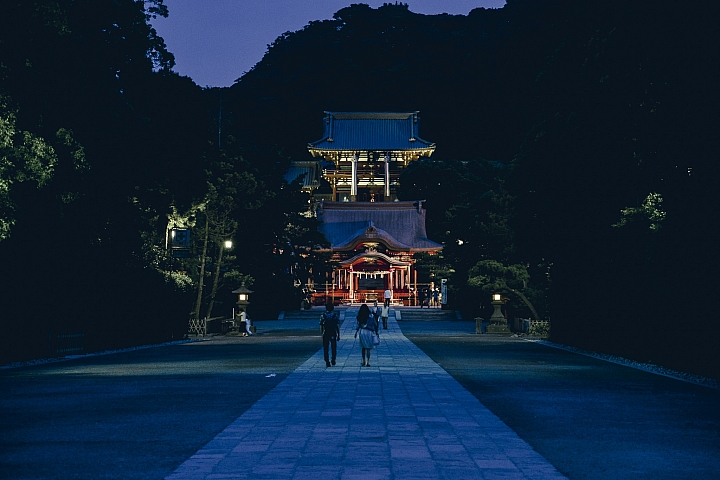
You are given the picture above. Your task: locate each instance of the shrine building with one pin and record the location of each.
(372, 235)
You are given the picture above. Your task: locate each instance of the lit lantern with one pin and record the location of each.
(243, 294)
(497, 317)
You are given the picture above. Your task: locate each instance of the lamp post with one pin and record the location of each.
(498, 323)
(225, 245)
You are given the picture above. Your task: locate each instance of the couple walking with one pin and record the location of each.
(367, 328)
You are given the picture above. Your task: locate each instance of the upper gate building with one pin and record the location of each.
(372, 235)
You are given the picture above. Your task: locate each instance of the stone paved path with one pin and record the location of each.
(402, 418)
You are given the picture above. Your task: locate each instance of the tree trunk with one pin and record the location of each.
(198, 302)
(215, 281)
(526, 302)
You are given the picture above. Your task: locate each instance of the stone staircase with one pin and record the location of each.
(403, 314)
(314, 313)
(416, 314)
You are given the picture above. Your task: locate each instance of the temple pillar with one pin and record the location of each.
(387, 178)
(354, 179)
(351, 279)
(415, 282)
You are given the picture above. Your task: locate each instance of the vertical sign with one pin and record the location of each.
(180, 242)
(180, 238)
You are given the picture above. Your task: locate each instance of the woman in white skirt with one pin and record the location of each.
(367, 326)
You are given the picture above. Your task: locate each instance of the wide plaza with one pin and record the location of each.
(266, 406)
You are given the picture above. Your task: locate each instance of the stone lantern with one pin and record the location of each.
(498, 322)
(243, 294)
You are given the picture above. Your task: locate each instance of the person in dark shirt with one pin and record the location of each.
(330, 327)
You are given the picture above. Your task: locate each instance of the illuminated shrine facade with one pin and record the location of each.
(372, 235)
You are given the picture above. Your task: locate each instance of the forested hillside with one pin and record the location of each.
(575, 164)
(102, 147)
(575, 139)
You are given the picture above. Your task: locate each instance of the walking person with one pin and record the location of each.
(367, 326)
(384, 314)
(422, 297)
(330, 327)
(387, 296)
(436, 297)
(248, 323)
(377, 311)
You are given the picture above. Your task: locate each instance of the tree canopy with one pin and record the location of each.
(574, 139)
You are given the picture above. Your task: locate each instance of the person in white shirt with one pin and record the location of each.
(248, 323)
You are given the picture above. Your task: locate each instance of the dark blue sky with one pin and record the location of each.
(216, 41)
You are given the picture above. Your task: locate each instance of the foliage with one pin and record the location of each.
(95, 146)
(24, 157)
(492, 276)
(649, 212)
(539, 329)
(550, 116)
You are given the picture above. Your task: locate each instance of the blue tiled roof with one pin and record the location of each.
(400, 225)
(371, 131)
(307, 171)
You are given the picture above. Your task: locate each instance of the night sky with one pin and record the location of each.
(216, 41)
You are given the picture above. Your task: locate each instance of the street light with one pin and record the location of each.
(228, 244)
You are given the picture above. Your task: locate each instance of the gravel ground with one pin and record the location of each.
(592, 419)
(138, 413)
(647, 367)
(141, 412)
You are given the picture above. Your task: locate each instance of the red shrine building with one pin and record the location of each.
(372, 235)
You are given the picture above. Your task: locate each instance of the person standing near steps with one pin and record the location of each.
(367, 326)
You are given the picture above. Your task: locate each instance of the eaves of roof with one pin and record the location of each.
(391, 261)
(371, 132)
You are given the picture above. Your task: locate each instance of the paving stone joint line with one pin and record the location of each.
(403, 417)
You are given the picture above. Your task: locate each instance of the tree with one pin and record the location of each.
(492, 276)
(24, 157)
(75, 78)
